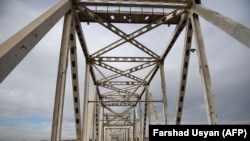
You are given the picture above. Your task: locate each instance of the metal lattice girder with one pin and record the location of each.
(128, 72)
(139, 11)
(19, 45)
(127, 93)
(114, 92)
(146, 77)
(126, 38)
(120, 115)
(116, 89)
(119, 72)
(130, 37)
(110, 86)
(115, 118)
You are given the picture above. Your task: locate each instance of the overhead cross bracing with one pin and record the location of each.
(133, 11)
(122, 99)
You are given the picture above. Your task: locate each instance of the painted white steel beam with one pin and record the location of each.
(100, 124)
(85, 103)
(91, 114)
(13, 50)
(75, 82)
(184, 71)
(146, 111)
(234, 29)
(204, 71)
(174, 36)
(138, 125)
(139, 1)
(154, 108)
(61, 80)
(164, 92)
(81, 37)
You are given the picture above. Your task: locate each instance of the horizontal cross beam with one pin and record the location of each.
(127, 101)
(175, 4)
(124, 59)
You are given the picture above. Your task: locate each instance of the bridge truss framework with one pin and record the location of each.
(133, 93)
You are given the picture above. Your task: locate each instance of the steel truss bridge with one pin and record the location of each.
(127, 91)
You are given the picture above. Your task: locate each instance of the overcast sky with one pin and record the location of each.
(27, 94)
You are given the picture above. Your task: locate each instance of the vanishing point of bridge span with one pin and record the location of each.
(121, 89)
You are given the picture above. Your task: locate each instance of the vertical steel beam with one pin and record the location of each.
(164, 92)
(151, 98)
(145, 116)
(75, 83)
(135, 126)
(129, 133)
(13, 50)
(94, 124)
(124, 134)
(91, 114)
(98, 120)
(105, 132)
(85, 103)
(100, 123)
(184, 71)
(138, 126)
(148, 105)
(61, 80)
(204, 70)
(140, 123)
(232, 28)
